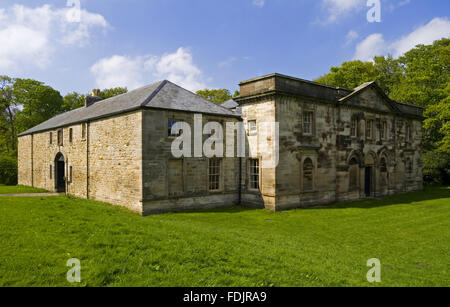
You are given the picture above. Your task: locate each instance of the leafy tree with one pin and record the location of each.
(218, 96)
(39, 102)
(8, 109)
(111, 92)
(350, 74)
(75, 100)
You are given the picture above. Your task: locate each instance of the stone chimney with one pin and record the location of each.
(95, 97)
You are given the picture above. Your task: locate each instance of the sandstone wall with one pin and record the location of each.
(173, 184)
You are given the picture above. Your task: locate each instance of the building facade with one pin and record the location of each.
(334, 145)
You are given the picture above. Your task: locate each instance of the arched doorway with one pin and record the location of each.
(369, 162)
(60, 177)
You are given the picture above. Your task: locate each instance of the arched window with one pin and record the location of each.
(409, 166)
(308, 175)
(383, 165)
(353, 173)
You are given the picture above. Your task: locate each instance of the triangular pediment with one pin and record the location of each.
(369, 96)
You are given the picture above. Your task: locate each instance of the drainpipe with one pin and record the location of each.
(87, 160)
(240, 183)
(32, 160)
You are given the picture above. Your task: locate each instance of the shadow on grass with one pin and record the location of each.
(429, 193)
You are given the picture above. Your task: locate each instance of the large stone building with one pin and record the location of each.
(335, 144)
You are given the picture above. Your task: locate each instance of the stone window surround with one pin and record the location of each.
(251, 132)
(220, 175)
(250, 174)
(354, 127)
(313, 158)
(370, 122)
(311, 124)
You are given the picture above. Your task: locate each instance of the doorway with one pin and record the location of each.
(60, 177)
(368, 181)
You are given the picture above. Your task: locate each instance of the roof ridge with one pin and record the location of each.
(204, 100)
(154, 93)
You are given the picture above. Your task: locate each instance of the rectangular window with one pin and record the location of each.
(70, 174)
(70, 135)
(252, 128)
(308, 122)
(170, 124)
(369, 129)
(60, 137)
(354, 128)
(384, 130)
(408, 132)
(254, 174)
(214, 174)
(50, 138)
(83, 131)
(51, 172)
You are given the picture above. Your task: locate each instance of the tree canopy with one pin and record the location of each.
(218, 96)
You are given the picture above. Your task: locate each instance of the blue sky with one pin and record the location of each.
(203, 43)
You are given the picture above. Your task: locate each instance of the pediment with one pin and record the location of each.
(370, 97)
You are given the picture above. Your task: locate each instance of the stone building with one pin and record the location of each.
(335, 144)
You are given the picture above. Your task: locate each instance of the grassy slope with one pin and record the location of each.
(5, 189)
(231, 247)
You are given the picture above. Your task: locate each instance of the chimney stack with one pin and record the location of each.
(90, 100)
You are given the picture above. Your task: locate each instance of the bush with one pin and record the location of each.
(8, 170)
(436, 168)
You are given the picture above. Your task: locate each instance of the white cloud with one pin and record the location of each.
(227, 62)
(375, 44)
(351, 37)
(29, 36)
(341, 8)
(259, 3)
(134, 72)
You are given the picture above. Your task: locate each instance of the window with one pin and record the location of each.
(70, 135)
(252, 128)
(308, 122)
(369, 129)
(170, 124)
(51, 171)
(70, 174)
(308, 175)
(51, 138)
(354, 127)
(214, 174)
(408, 132)
(409, 166)
(83, 131)
(60, 137)
(384, 130)
(254, 174)
(353, 173)
(383, 165)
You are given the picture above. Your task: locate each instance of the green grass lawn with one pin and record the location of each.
(410, 234)
(6, 189)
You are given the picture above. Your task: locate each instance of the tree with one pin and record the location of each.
(218, 96)
(75, 100)
(111, 92)
(8, 109)
(350, 74)
(39, 103)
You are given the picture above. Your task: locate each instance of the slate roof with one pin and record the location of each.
(161, 95)
(230, 104)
